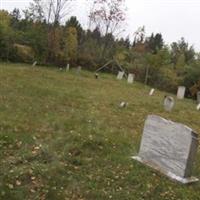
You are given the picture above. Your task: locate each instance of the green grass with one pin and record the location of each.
(63, 136)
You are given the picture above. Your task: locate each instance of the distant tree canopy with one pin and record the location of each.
(38, 34)
(155, 43)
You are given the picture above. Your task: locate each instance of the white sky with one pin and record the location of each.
(173, 18)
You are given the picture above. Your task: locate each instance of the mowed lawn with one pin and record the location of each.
(64, 137)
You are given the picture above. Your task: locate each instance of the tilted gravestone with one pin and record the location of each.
(34, 64)
(169, 103)
(198, 97)
(120, 75)
(151, 92)
(168, 147)
(131, 78)
(181, 92)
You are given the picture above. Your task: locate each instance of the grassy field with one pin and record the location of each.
(64, 137)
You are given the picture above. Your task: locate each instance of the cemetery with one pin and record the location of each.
(78, 142)
(99, 100)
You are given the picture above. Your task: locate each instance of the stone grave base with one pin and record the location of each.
(168, 174)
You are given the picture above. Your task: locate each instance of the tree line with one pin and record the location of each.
(39, 34)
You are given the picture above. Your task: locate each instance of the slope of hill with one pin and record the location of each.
(63, 136)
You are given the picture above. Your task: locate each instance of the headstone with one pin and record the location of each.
(169, 103)
(120, 75)
(151, 92)
(131, 78)
(181, 92)
(67, 68)
(96, 76)
(198, 106)
(168, 147)
(198, 97)
(79, 68)
(123, 104)
(34, 64)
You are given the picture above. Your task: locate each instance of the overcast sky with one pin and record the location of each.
(173, 18)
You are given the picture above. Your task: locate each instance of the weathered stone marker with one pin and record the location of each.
(67, 68)
(120, 75)
(96, 76)
(181, 92)
(198, 97)
(168, 147)
(198, 106)
(79, 68)
(169, 103)
(123, 104)
(131, 78)
(151, 92)
(34, 64)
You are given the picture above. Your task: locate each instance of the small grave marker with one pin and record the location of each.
(96, 76)
(169, 103)
(131, 78)
(123, 104)
(120, 75)
(168, 147)
(151, 92)
(34, 64)
(181, 92)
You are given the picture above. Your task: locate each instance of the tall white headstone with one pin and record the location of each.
(120, 75)
(131, 78)
(168, 147)
(181, 92)
(67, 68)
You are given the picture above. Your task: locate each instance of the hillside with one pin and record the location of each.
(63, 136)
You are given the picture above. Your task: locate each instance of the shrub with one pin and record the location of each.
(24, 53)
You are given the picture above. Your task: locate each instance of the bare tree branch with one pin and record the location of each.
(52, 11)
(107, 15)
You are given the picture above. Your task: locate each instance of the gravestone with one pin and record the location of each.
(79, 68)
(151, 92)
(120, 75)
(34, 64)
(198, 106)
(123, 104)
(131, 78)
(198, 97)
(67, 68)
(181, 92)
(168, 147)
(169, 103)
(96, 76)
